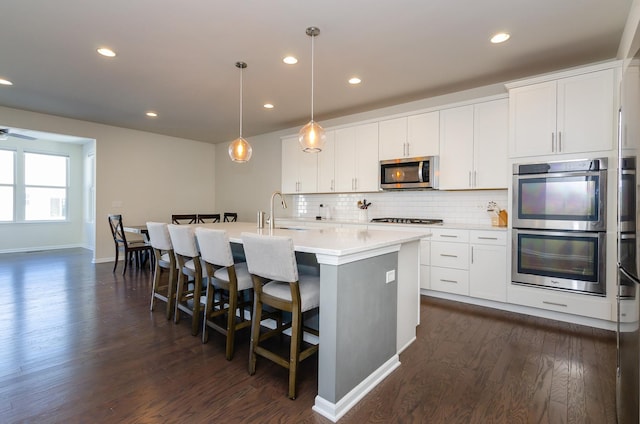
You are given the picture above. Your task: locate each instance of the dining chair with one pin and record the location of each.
(185, 218)
(132, 249)
(272, 264)
(231, 281)
(204, 218)
(188, 294)
(230, 217)
(165, 260)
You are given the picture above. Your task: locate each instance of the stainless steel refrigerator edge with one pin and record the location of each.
(628, 284)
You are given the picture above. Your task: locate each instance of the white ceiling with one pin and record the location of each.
(177, 57)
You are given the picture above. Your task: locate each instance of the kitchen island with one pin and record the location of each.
(369, 280)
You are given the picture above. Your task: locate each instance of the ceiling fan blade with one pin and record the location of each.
(24, 137)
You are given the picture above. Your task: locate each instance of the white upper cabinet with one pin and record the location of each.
(356, 158)
(473, 146)
(326, 165)
(410, 136)
(568, 115)
(299, 169)
(490, 139)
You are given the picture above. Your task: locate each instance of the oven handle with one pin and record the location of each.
(562, 174)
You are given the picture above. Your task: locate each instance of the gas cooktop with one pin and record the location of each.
(423, 221)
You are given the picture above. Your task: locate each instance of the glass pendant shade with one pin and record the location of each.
(240, 150)
(312, 137)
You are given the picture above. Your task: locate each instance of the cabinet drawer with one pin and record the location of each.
(450, 235)
(577, 304)
(425, 274)
(425, 252)
(450, 280)
(450, 255)
(488, 237)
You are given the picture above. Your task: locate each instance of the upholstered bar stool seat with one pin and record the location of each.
(165, 261)
(231, 281)
(276, 283)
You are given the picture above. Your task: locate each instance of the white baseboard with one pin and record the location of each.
(335, 411)
(41, 248)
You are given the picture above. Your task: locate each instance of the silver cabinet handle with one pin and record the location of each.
(559, 141)
(553, 143)
(449, 281)
(446, 255)
(332, 188)
(408, 152)
(487, 238)
(472, 254)
(448, 235)
(554, 304)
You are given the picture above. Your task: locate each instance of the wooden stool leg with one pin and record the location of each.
(208, 309)
(255, 333)
(195, 318)
(231, 323)
(171, 288)
(179, 291)
(294, 356)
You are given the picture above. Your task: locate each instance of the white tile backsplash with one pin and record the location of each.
(455, 207)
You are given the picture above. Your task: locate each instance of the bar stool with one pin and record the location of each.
(165, 260)
(188, 298)
(231, 281)
(272, 264)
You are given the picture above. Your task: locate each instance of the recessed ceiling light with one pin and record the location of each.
(500, 37)
(106, 52)
(355, 80)
(151, 114)
(268, 106)
(290, 60)
(5, 82)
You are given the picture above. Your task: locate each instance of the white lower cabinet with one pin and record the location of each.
(449, 258)
(450, 280)
(552, 300)
(488, 265)
(425, 261)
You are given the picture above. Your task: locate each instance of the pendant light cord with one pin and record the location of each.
(312, 79)
(241, 70)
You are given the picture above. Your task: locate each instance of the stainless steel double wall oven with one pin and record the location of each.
(559, 225)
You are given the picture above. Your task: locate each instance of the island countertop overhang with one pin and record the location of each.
(327, 243)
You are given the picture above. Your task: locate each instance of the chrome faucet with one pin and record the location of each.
(284, 206)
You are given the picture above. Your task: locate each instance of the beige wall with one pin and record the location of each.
(142, 175)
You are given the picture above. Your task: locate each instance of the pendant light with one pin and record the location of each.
(312, 135)
(240, 150)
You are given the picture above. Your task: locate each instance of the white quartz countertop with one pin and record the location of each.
(331, 241)
(330, 222)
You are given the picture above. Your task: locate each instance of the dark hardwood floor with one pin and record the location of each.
(79, 345)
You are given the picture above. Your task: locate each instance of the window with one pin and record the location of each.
(45, 187)
(33, 186)
(7, 189)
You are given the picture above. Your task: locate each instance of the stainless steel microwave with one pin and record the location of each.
(410, 173)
